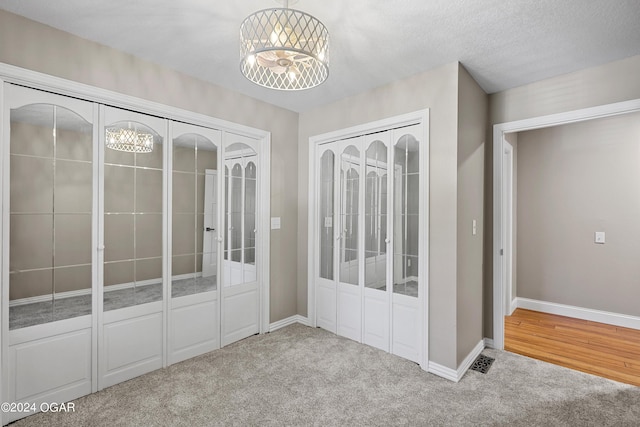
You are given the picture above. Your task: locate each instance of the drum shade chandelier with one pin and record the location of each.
(284, 49)
(128, 140)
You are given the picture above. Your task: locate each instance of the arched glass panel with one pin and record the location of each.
(194, 209)
(406, 209)
(326, 214)
(51, 208)
(250, 213)
(349, 212)
(375, 211)
(132, 217)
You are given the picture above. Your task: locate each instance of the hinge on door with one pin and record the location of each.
(501, 252)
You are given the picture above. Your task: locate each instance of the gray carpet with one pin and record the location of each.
(303, 376)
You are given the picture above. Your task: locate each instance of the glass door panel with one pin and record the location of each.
(375, 211)
(250, 213)
(326, 215)
(349, 213)
(194, 215)
(133, 189)
(406, 211)
(51, 211)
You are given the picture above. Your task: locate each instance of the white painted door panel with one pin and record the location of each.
(194, 328)
(406, 327)
(51, 369)
(241, 317)
(376, 319)
(349, 312)
(131, 347)
(326, 305)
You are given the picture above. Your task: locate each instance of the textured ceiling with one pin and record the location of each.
(503, 43)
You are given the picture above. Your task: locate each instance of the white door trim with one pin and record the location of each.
(499, 131)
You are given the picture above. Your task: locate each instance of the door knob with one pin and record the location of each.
(220, 239)
(209, 229)
(387, 240)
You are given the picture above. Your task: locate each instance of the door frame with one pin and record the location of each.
(404, 120)
(500, 131)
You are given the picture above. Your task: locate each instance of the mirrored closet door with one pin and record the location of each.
(132, 336)
(369, 233)
(194, 324)
(49, 205)
(129, 242)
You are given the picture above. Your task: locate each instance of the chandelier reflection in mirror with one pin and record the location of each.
(129, 140)
(284, 49)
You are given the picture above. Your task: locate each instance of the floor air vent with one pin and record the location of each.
(482, 364)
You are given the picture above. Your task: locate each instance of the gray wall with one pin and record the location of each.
(612, 82)
(472, 118)
(574, 180)
(41, 48)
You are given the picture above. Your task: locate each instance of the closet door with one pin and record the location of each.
(48, 282)
(132, 338)
(350, 248)
(327, 237)
(377, 203)
(408, 267)
(194, 326)
(240, 291)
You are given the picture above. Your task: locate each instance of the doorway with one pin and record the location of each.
(500, 221)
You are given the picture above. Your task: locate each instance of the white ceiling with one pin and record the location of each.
(503, 43)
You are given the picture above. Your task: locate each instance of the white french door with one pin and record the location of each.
(349, 237)
(49, 205)
(132, 235)
(369, 237)
(194, 312)
(240, 291)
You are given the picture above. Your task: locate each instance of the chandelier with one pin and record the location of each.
(284, 49)
(129, 140)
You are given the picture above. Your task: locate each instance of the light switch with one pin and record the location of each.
(474, 227)
(599, 237)
(275, 223)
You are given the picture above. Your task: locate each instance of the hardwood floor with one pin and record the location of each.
(605, 350)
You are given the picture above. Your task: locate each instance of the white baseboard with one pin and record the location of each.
(488, 343)
(456, 375)
(288, 321)
(616, 319)
(471, 357)
(514, 305)
(443, 371)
